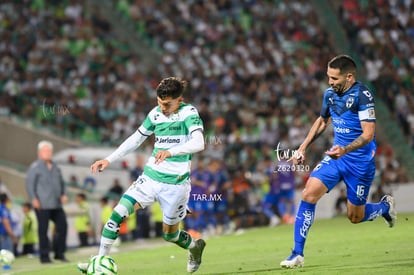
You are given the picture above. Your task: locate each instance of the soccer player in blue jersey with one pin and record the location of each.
(350, 106)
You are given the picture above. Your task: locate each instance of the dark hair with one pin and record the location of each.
(171, 87)
(105, 199)
(82, 195)
(344, 63)
(3, 198)
(28, 205)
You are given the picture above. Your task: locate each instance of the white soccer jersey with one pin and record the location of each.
(170, 131)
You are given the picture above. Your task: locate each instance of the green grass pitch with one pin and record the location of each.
(334, 246)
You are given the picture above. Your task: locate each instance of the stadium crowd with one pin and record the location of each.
(382, 32)
(256, 71)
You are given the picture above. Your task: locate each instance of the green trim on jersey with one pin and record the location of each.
(164, 177)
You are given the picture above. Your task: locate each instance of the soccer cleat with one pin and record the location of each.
(391, 216)
(194, 256)
(83, 267)
(293, 261)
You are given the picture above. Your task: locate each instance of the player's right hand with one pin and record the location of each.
(298, 157)
(99, 165)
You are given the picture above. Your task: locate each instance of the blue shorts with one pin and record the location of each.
(271, 199)
(287, 194)
(357, 175)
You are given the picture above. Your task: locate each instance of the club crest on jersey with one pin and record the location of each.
(349, 102)
(175, 117)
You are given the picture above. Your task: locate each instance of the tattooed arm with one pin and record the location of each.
(368, 132)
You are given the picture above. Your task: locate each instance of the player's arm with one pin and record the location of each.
(368, 132)
(129, 145)
(193, 145)
(316, 130)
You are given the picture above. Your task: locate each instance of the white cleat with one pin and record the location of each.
(194, 256)
(391, 216)
(293, 261)
(83, 267)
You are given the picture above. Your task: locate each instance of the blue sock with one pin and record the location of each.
(375, 210)
(303, 222)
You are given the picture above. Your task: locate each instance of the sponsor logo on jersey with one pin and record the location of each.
(342, 130)
(174, 128)
(167, 140)
(338, 121)
(349, 102)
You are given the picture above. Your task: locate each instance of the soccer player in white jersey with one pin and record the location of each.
(178, 132)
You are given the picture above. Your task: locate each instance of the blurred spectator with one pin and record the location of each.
(7, 236)
(341, 203)
(30, 227)
(106, 211)
(219, 188)
(16, 223)
(286, 181)
(89, 183)
(271, 198)
(382, 35)
(142, 216)
(156, 214)
(73, 181)
(46, 190)
(195, 223)
(83, 225)
(116, 190)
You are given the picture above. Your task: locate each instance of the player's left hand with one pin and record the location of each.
(161, 156)
(336, 152)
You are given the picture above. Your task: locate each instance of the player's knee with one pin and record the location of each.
(353, 218)
(171, 237)
(309, 197)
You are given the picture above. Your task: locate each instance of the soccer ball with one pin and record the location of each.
(6, 257)
(102, 265)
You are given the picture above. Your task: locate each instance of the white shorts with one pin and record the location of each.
(173, 198)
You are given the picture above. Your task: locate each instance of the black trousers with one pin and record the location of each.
(58, 217)
(83, 238)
